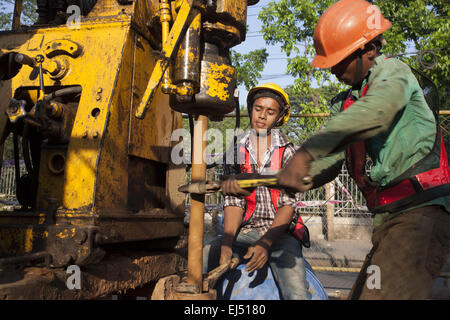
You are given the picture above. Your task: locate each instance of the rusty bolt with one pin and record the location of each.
(99, 94)
(39, 58)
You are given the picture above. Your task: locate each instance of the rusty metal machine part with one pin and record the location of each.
(216, 88)
(208, 30)
(196, 218)
(176, 287)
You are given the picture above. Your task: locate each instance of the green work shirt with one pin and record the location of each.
(393, 118)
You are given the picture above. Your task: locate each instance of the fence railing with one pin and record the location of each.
(8, 181)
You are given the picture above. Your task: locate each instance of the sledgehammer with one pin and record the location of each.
(244, 180)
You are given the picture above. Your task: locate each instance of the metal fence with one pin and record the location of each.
(8, 181)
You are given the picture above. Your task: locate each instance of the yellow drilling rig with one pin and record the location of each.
(91, 106)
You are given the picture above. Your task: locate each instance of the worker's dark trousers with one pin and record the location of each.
(408, 253)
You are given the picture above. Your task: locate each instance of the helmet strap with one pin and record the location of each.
(274, 123)
(279, 116)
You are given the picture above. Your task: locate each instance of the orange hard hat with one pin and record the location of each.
(345, 27)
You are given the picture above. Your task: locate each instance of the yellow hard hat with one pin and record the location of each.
(286, 108)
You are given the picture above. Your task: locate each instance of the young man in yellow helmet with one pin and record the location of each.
(383, 116)
(256, 223)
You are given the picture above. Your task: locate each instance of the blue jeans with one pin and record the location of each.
(286, 262)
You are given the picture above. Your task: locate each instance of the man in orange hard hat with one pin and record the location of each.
(384, 117)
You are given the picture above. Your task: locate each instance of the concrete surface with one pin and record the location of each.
(338, 253)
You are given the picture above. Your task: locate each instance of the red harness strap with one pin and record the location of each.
(275, 164)
(429, 179)
(403, 193)
(251, 199)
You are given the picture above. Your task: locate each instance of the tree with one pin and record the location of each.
(298, 129)
(28, 16)
(422, 25)
(249, 66)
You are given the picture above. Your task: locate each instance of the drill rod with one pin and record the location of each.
(203, 187)
(196, 219)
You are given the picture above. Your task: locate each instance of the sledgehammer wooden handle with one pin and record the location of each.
(203, 187)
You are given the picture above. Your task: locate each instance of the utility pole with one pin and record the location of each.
(16, 15)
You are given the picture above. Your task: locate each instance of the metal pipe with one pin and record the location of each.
(26, 258)
(196, 220)
(186, 75)
(336, 269)
(62, 92)
(165, 18)
(357, 270)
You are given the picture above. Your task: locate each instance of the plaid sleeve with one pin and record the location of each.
(288, 199)
(231, 201)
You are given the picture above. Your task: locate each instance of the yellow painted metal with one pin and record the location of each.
(165, 17)
(161, 120)
(115, 164)
(168, 51)
(20, 240)
(252, 183)
(219, 78)
(62, 46)
(105, 56)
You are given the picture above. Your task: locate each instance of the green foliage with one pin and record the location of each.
(8, 148)
(422, 23)
(298, 129)
(28, 16)
(221, 133)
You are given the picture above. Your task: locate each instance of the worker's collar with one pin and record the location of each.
(278, 139)
(357, 90)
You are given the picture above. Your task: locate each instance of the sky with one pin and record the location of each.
(275, 68)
